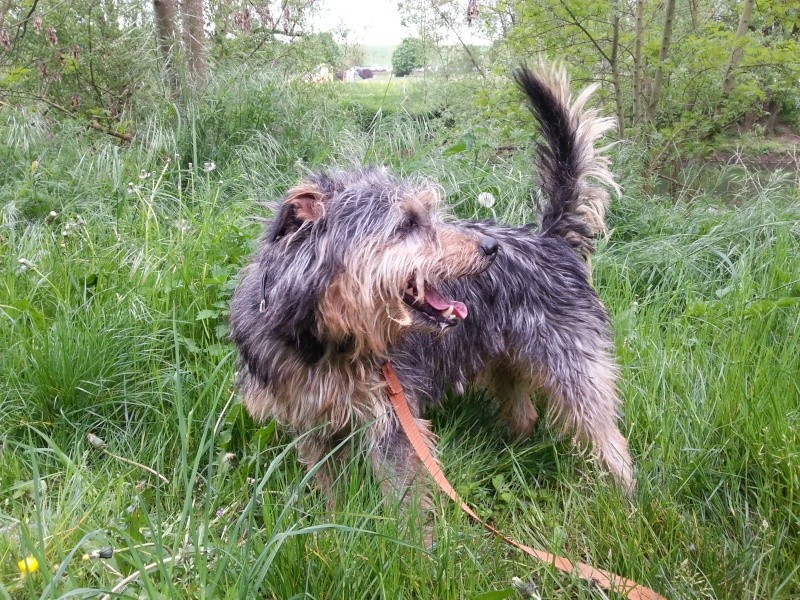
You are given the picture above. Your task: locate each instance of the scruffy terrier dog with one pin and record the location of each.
(359, 267)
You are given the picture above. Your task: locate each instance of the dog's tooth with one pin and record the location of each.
(420, 288)
(448, 312)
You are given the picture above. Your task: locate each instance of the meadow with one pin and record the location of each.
(120, 426)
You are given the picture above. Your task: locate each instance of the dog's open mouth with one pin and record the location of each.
(430, 304)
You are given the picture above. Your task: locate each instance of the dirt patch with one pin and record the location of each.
(779, 150)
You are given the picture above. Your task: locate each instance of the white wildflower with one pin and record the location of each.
(486, 199)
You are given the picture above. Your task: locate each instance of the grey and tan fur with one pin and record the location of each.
(359, 267)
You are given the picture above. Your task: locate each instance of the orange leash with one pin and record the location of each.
(604, 579)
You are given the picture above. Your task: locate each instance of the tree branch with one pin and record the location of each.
(125, 136)
(22, 26)
(583, 29)
(460, 41)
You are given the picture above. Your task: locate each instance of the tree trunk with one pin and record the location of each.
(194, 43)
(693, 14)
(616, 76)
(638, 67)
(166, 18)
(669, 18)
(738, 47)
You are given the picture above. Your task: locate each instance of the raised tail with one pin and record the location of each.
(573, 173)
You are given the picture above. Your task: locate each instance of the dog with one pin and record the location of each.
(359, 267)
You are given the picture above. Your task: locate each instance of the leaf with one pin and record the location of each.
(206, 314)
(455, 149)
(508, 497)
(264, 436)
(760, 308)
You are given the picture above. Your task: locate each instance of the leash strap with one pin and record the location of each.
(603, 579)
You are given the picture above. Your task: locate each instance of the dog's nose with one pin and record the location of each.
(489, 245)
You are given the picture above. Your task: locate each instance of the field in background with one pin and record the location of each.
(378, 56)
(113, 319)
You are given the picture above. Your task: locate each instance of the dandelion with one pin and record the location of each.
(527, 590)
(106, 552)
(229, 460)
(209, 166)
(144, 174)
(29, 564)
(486, 199)
(96, 441)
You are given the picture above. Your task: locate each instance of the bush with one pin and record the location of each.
(407, 57)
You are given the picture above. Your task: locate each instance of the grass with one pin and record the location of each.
(116, 326)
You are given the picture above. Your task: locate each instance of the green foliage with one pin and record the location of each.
(87, 59)
(324, 48)
(692, 108)
(117, 262)
(114, 324)
(408, 56)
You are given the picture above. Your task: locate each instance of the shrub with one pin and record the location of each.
(407, 57)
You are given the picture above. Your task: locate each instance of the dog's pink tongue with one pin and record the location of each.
(433, 298)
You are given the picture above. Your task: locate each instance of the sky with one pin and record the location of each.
(370, 22)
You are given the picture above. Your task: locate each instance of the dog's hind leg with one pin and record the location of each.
(513, 389)
(582, 394)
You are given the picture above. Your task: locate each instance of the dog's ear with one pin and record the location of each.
(302, 204)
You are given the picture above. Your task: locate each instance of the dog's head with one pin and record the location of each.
(355, 258)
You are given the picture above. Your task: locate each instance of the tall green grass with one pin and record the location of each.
(118, 329)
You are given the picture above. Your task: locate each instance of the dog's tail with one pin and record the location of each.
(574, 174)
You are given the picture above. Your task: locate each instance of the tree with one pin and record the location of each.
(194, 43)
(324, 48)
(738, 45)
(165, 14)
(192, 50)
(407, 57)
(663, 53)
(80, 59)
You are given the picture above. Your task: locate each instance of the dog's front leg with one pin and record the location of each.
(315, 453)
(400, 471)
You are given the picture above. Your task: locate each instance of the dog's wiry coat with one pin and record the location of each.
(359, 267)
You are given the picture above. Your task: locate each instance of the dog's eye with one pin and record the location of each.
(409, 225)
